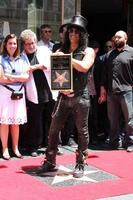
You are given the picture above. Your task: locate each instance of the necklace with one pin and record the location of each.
(13, 71)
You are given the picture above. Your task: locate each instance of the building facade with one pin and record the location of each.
(17, 15)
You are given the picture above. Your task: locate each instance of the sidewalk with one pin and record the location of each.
(108, 176)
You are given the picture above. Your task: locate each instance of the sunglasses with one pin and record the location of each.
(47, 31)
(74, 30)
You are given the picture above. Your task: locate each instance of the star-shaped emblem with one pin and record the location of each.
(61, 78)
(64, 174)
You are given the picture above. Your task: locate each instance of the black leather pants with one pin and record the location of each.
(79, 106)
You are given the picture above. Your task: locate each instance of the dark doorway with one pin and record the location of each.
(105, 17)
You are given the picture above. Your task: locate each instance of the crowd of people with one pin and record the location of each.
(96, 111)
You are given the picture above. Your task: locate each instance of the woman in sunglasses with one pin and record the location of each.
(76, 100)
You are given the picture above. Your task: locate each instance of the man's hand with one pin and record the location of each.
(103, 95)
(37, 66)
(66, 92)
(58, 53)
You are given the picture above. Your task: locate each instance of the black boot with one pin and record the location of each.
(80, 163)
(49, 164)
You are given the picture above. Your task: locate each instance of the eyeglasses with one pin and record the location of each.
(29, 44)
(47, 31)
(74, 30)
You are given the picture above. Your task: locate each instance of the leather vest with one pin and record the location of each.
(80, 79)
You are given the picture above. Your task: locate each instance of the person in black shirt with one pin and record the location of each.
(98, 120)
(38, 92)
(62, 31)
(118, 81)
(75, 100)
(68, 133)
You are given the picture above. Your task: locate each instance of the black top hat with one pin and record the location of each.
(79, 21)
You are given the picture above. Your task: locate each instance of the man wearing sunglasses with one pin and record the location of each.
(46, 35)
(75, 101)
(107, 47)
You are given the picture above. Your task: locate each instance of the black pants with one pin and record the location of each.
(93, 119)
(69, 130)
(47, 112)
(80, 108)
(34, 127)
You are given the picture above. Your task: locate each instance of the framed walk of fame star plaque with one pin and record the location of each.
(61, 72)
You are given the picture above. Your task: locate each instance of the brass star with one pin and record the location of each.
(61, 79)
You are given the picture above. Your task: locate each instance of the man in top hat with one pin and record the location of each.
(75, 100)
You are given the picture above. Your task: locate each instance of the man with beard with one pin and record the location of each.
(118, 82)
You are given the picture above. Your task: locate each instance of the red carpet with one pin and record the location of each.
(15, 184)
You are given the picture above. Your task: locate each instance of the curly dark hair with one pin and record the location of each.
(83, 42)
